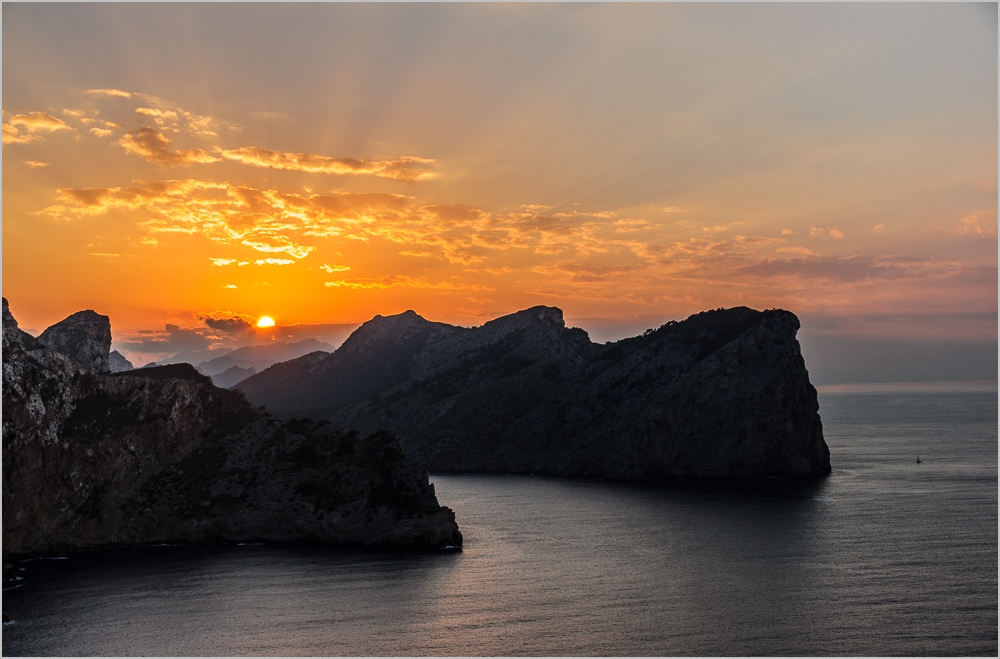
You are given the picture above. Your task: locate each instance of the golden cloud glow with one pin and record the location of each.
(110, 92)
(402, 280)
(693, 194)
(159, 116)
(151, 145)
(402, 169)
(25, 128)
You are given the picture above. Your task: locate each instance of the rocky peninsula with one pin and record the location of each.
(97, 459)
(722, 394)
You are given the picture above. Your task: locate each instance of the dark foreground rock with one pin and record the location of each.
(722, 394)
(160, 455)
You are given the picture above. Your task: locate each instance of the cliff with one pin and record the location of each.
(724, 393)
(94, 459)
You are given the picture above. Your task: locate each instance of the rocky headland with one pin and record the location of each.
(94, 458)
(722, 394)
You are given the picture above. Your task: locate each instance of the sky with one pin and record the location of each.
(187, 169)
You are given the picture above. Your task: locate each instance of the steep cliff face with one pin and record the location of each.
(722, 394)
(161, 455)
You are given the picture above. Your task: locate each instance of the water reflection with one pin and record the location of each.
(884, 556)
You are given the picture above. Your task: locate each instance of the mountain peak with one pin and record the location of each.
(84, 336)
(394, 329)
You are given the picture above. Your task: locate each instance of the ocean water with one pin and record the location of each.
(884, 557)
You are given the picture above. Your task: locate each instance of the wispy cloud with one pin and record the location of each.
(113, 93)
(154, 147)
(334, 268)
(403, 280)
(974, 226)
(164, 115)
(401, 169)
(25, 128)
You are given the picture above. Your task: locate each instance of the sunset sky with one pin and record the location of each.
(186, 169)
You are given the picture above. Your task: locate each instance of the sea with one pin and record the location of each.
(885, 556)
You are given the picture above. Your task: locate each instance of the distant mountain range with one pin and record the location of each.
(724, 393)
(229, 367)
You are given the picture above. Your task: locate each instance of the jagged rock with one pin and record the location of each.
(39, 386)
(118, 363)
(161, 455)
(723, 394)
(231, 376)
(84, 336)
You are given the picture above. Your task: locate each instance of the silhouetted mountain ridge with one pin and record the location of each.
(723, 393)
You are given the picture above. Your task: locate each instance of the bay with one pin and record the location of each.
(886, 556)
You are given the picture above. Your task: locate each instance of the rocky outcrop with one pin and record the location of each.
(722, 394)
(159, 454)
(85, 337)
(118, 362)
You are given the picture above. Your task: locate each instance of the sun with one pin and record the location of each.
(265, 321)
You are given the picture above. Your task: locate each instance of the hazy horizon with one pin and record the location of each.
(187, 169)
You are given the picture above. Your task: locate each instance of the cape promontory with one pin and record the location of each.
(724, 393)
(97, 459)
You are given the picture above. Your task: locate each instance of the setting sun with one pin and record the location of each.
(265, 321)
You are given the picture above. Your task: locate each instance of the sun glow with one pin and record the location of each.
(265, 321)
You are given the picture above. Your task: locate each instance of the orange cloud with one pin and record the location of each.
(151, 145)
(402, 169)
(274, 222)
(159, 116)
(25, 128)
(110, 92)
(972, 226)
(334, 268)
(403, 280)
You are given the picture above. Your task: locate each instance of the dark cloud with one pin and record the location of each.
(233, 325)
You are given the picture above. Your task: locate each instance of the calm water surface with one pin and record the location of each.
(884, 557)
